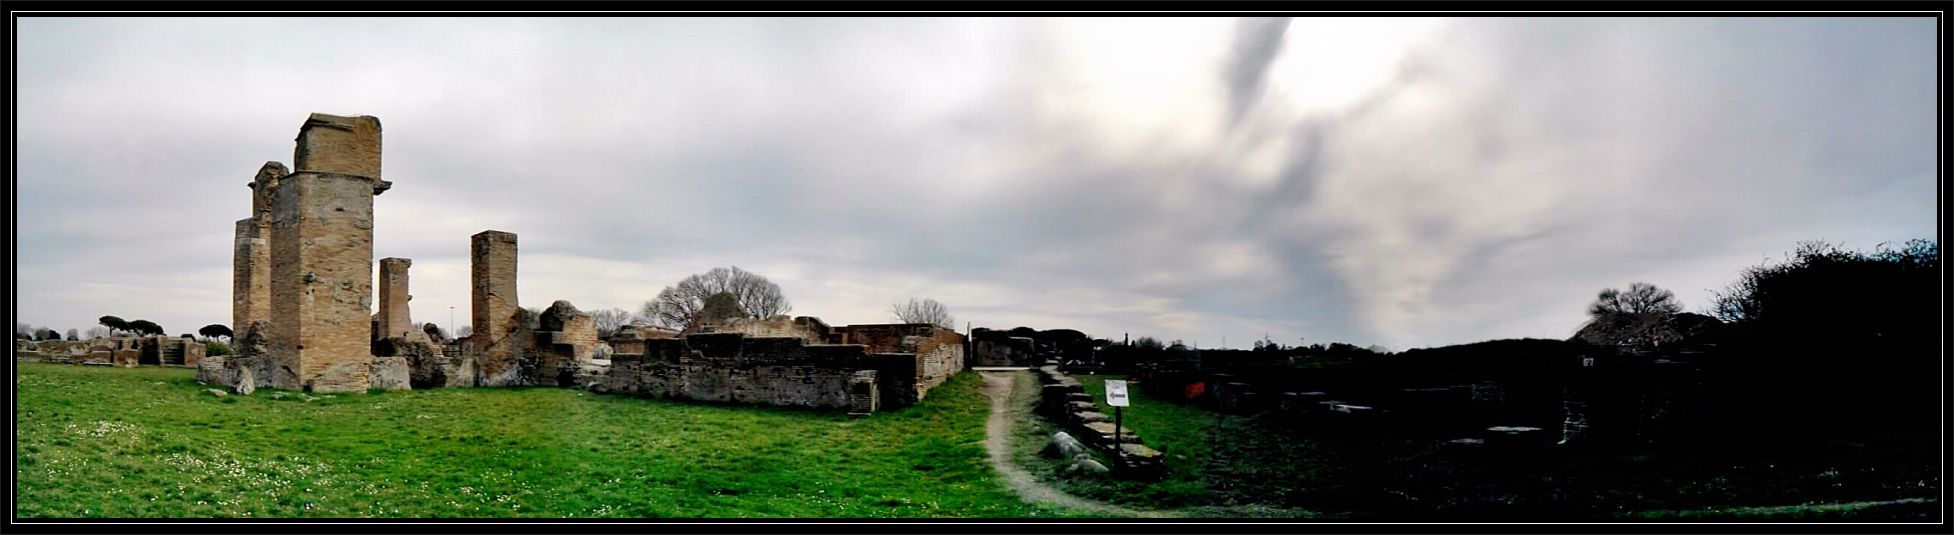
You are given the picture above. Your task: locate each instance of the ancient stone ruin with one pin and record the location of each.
(302, 308)
(126, 352)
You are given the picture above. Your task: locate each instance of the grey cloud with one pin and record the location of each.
(1510, 169)
(1257, 42)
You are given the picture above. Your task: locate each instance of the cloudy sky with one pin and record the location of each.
(1405, 182)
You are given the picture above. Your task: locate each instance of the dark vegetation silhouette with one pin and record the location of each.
(1811, 379)
(215, 331)
(146, 328)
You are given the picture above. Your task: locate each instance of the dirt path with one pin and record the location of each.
(997, 431)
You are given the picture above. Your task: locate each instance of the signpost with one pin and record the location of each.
(1117, 398)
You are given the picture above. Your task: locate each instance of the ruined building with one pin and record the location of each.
(302, 307)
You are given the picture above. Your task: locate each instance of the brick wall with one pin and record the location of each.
(735, 368)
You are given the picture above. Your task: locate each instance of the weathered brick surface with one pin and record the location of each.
(774, 327)
(128, 358)
(395, 321)
(264, 187)
(193, 353)
(321, 239)
(251, 255)
(497, 345)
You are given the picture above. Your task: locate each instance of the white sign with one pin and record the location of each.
(1116, 393)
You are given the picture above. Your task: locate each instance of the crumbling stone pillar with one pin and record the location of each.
(251, 263)
(395, 322)
(321, 240)
(250, 276)
(492, 269)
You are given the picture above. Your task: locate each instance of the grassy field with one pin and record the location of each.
(1237, 465)
(151, 442)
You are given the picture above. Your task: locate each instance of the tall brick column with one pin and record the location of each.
(250, 277)
(251, 262)
(322, 257)
(395, 322)
(492, 269)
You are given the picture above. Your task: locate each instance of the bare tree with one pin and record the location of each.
(924, 311)
(677, 305)
(1636, 317)
(464, 331)
(1640, 299)
(610, 320)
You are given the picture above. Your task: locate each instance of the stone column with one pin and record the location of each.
(250, 276)
(493, 270)
(322, 257)
(251, 262)
(395, 321)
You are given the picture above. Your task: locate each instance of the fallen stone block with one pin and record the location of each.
(391, 373)
(1083, 465)
(217, 392)
(211, 370)
(1101, 434)
(1063, 446)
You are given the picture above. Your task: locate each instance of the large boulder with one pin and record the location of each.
(345, 377)
(1084, 465)
(210, 370)
(245, 384)
(391, 373)
(1063, 446)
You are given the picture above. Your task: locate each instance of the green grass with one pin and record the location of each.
(151, 442)
(1240, 465)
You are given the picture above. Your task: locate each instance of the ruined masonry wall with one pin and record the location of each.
(911, 358)
(732, 368)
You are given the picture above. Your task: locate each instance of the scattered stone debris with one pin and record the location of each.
(1083, 464)
(1064, 401)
